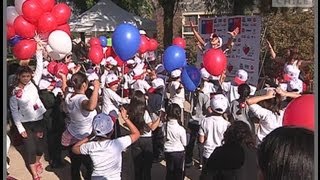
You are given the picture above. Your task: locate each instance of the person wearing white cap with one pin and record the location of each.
(231, 88)
(106, 153)
(215, 41)
(139, 82)
(208, 87)
(176, 90)
(81, 111)
(110, 99)
(213, 127)
(156, 105)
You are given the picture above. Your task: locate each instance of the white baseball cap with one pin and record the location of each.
(291, 71)
(112, 79)
(112, 61)
(159, 68)
(219, 103)
(102, 124)
(142, 32)
(295, 84)
(92, 76)
(204, 73)
(158, 82)
(131, 61)
(176, 73)
(241, 77)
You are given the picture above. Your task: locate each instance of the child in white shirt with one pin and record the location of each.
(105, 153)
(212, 127)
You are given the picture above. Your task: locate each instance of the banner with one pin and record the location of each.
(246, 49)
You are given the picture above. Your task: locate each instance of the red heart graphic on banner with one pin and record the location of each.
(230, 67)
(246, 49)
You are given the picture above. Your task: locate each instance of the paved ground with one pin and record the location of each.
(18, 169)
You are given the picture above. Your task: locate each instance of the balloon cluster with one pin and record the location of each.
(174, 57)
(29, 18)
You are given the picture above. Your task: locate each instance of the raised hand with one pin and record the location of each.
(235, 32)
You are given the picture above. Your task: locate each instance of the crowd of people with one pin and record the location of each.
(118, 120)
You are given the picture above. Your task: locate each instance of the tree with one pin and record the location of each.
(169, 9)
(231, 7)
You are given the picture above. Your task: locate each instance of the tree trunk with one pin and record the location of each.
(168, 23)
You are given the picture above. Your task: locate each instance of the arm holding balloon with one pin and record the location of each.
(39, 66)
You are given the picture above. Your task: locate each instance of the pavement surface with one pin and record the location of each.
(18, 170)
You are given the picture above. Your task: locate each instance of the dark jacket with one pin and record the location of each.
(231, 162)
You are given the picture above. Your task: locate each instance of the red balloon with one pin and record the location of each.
(60, 67)
(47, 23)
(215, 61)
(144, 44)
(51, 66)
(62, 13)
(65, 28)
(179, 42)
(153, 45)
(300, 112)
(32, 10)
(47, 5)
(10, 31)
(95, 54)
(25, 49)
(110, 52)
(94, 42)
(119, 61)
(23, 28)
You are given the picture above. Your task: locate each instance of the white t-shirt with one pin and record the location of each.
(268, 120)
(147, 120)
(176, 137)
(141, 85)
(212, 128)
(111, 101)
(80, 125)
(106, 156)
(175, 97)
(208, 88)
(232, 90)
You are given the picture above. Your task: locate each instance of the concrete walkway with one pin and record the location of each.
(19, 171)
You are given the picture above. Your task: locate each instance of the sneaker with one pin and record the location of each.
(200, 166)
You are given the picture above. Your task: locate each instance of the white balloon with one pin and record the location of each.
(18, 5)
(12, 14)
(54, 55)
(60, 42)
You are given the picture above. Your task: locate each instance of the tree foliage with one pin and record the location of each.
(229, 7)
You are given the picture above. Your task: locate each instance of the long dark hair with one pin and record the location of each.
(77, 80)
(239, 132)
(287, 153)
(244, 92)
(136, 110)
(174, 112)
(273, 104)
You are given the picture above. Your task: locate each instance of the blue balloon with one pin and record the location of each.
(14, 40)
(174, 57)
(126, 41)
(190, 77)
(103, 41)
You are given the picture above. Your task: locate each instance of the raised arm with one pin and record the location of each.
(135, 134)
(196, 34)
(273, 53)
(254, 100)
(233, 35)
(92, 103)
